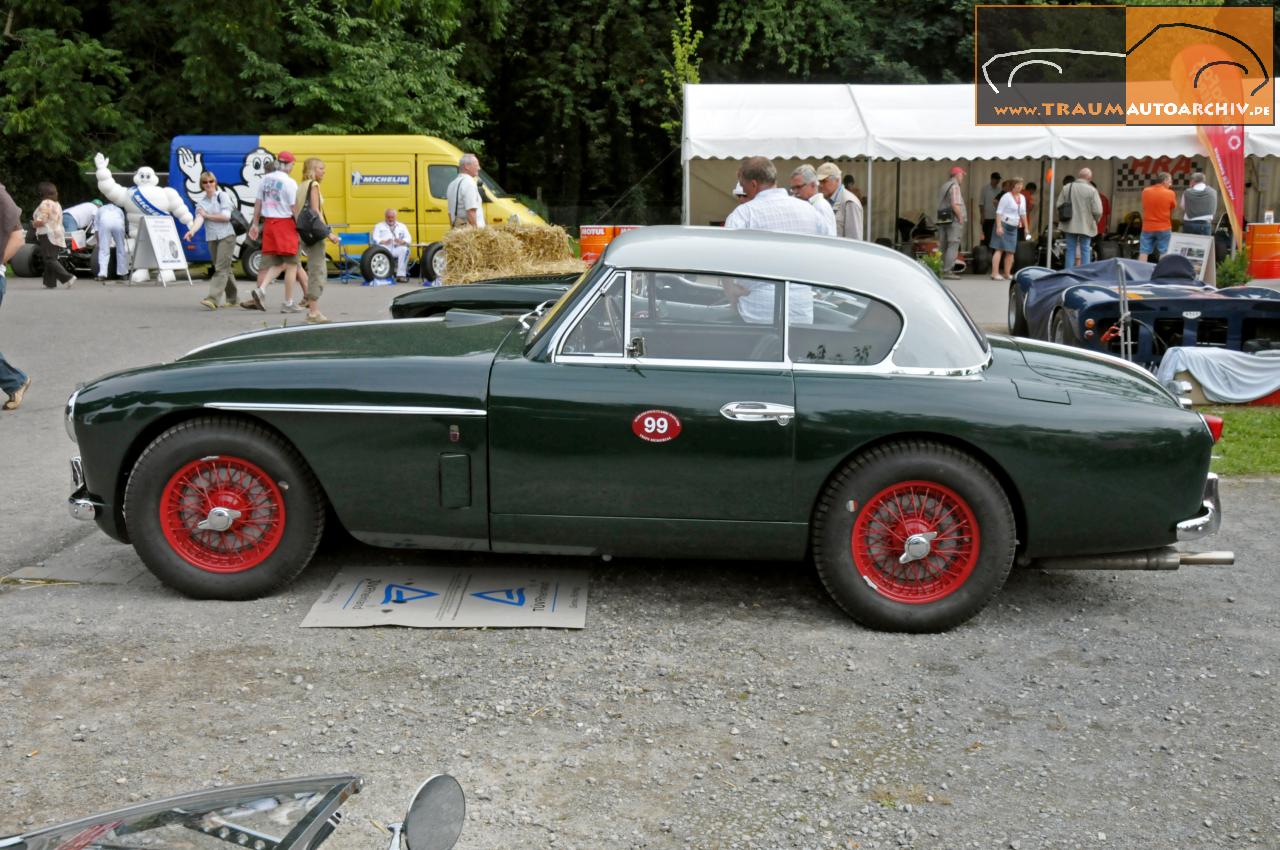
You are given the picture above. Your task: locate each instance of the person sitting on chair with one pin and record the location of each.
(394, 236)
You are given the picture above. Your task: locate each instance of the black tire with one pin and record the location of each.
(1017, 317)
(376, 262)
(1026, 254)
(25, 262)
(433, 262)
(254, 556)
(250, 262)
(1061, 331)
(888, 484)
(982, 260)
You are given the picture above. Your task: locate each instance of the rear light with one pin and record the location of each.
(1215, 425)
(1089, 323)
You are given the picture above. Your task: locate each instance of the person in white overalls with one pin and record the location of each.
(108, 223)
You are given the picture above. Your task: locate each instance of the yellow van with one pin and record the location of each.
(364, 176)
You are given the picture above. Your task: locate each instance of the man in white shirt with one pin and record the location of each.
(108, 223)
(770, 208)
(804, 185)
(277, 194)
(79, 216)
(466, 207)
(394, 236)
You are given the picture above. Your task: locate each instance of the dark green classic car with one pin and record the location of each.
(699, 393)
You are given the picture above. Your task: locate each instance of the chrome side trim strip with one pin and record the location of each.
(398, 410)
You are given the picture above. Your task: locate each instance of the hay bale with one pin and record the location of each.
(507, 250)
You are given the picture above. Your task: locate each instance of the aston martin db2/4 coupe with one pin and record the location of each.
(698, 393)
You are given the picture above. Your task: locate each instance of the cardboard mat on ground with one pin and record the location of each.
(452, 597)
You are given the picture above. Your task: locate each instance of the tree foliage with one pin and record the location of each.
(573, 102)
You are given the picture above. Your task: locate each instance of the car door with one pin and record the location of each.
(379, 182)
(656, 404)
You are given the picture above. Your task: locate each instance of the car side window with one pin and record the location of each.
(693, 316)
(842, 329)
(439, 177)
(599, 331)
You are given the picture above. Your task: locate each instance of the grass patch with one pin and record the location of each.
(1250, 442)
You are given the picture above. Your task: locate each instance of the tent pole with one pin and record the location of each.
(684, 154)
(897, 202)
(867, 212)
(1048, 213)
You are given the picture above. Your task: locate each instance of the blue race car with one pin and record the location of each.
(1168, 306)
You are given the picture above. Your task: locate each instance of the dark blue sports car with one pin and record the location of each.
(1168, 306)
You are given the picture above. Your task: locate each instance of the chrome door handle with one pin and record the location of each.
(758, 411)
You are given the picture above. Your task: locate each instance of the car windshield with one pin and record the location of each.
(492, 185)
(548, 318)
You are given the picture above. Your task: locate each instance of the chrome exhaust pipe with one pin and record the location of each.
(1167, 558)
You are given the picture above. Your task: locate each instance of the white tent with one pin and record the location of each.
(865, 128)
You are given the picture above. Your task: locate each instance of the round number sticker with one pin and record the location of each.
(656, 426)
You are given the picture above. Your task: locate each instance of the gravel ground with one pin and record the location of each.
(704, 706)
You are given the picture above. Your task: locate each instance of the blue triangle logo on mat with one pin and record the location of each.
(505, 597)
(401, 593)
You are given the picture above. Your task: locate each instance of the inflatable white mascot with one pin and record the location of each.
(147, 197)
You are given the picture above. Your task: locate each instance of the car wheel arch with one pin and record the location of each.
(1002, 476)
(161, 424)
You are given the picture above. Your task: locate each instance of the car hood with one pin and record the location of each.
(456, 334)
(1075, 369)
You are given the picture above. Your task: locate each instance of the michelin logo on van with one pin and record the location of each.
(358, 179)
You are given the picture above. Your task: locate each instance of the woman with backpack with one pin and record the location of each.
(51, 237)
(213, 210)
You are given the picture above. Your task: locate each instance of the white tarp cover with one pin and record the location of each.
(904, 122)
(1230, 377)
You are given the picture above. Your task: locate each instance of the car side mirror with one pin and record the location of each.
(636, 348)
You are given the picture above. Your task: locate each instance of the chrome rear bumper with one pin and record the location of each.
(1209, 519)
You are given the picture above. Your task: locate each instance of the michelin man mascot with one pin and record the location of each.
(147, 197)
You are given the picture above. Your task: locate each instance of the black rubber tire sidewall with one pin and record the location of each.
(197, 438)
(882, 467)
(366, 261)
(1061, 331)
(1017, 327)
(429, 262)
(24, 262)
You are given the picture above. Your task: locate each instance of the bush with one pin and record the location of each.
(1234, 270)
(933, 262)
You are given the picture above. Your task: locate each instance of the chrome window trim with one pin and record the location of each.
(887, 366)
(392, 409)
(570, 322)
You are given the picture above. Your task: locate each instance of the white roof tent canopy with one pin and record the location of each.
(897, 123)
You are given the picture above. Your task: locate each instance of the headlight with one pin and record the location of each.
(69, 413)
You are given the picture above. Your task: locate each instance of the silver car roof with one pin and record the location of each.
(937, 333)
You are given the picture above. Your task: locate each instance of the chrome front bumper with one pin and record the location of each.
(1209, 519)
(80, 505)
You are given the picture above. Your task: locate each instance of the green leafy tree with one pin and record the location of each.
(684, 65)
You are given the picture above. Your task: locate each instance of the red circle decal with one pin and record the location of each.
(656, 426)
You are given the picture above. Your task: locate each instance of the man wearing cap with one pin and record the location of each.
(951, 198)
(845, 205)
(274, 207)
(987, 204)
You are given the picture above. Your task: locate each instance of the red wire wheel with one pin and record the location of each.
(899, 519)
(251, 498)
